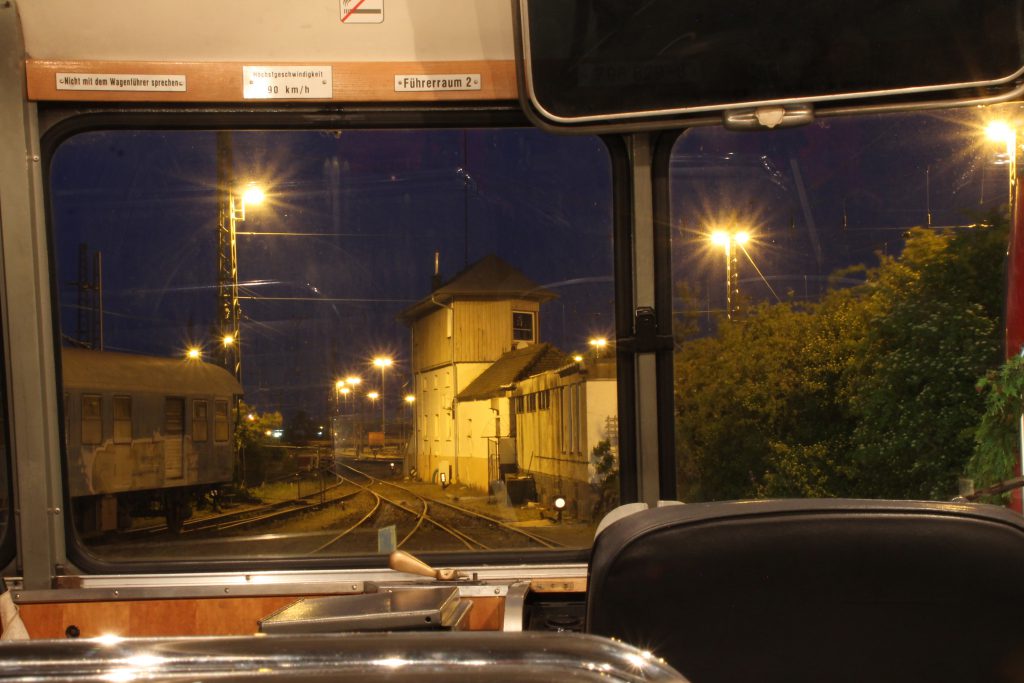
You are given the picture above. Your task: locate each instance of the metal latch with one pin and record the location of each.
(645, 337)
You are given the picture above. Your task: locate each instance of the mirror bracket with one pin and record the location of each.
(768, 117)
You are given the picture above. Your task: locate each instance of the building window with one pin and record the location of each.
(92, 419)
(122, 419)
(544, 400)
(522, 326)
(531, 403)
(220, 421)
(200, 421)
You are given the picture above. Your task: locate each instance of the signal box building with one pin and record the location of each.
(492, 400)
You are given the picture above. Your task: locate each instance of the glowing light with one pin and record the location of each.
(409, 398)
(253, 195)
(269, 432)
(1000, 131)
(598, 342)
(339, 385)
(373, 395)
(109, 639)
(354, 380)
(578, 358)
(228, 339)
(345, 391)
(194, 353)
(250, 417)
(560, 503)
(720, 238)
(120, 676)
(742, 237)
(382, 362)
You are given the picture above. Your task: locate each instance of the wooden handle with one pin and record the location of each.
(402, 561)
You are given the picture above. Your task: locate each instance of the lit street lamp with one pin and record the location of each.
(599, 344)
(382, 362)
(729, 241)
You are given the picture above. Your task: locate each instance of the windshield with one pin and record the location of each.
(335, 342)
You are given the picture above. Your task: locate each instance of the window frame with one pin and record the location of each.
(62, 122)
(198, 421)
(91, 420)
(120, 421)
(517, 332)
(218, 435)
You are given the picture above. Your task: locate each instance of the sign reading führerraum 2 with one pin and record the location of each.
(436, 82)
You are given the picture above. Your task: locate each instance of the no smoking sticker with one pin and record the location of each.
(362, 11)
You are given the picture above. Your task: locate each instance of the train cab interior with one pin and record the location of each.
(511, 340)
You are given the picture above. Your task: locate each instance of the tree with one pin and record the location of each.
(933, 330)
(869, 392)
(251, 437)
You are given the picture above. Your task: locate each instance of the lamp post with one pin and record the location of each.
(599, 344)
(730, 241)
(382, 362)
(227, 282)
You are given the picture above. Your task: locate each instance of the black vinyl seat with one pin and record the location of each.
(816, 590)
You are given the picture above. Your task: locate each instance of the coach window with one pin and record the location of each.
(220, 421)
(200, 421)
(92, 419)
(371, 266)
(839, 309)
(122, 419)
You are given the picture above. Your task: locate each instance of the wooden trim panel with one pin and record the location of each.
(222, 82)
(187, 617)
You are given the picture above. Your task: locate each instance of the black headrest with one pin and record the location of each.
(817, 590)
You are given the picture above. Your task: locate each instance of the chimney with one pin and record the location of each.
(435, 281)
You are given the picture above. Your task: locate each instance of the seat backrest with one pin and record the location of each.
(816, 590)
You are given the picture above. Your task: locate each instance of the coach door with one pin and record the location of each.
(174, 430)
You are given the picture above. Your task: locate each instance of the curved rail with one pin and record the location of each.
(470, 542)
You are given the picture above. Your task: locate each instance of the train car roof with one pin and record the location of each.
(111, 371)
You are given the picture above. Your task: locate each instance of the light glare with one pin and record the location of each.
(1000, 131)
(252, 196)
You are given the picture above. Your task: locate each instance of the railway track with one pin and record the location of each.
(347, 515)
(426, 518)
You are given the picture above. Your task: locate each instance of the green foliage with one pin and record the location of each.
(869, 392)
(251, 442)
(606, 465)
(997, 439)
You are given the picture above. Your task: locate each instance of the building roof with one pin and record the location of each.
(488, 278)
(512, 367)
(100, 371)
